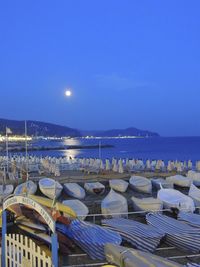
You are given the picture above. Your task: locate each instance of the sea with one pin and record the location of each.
(165, 148)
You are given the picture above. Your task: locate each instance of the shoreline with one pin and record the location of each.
(45, 148)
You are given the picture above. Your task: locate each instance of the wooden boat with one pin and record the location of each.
(36, 234)
(15, 209)
(118, 185)
(141, 184)
(135, 258)
(95, 188)
(114, 205)
(147, 204)
(194, 193)
(33, 215)
(50, 188)
(179, 180)
(5, 190)
(63, 247)
(29, 223)
(161, 183)
(63, 239)
(79, 207)
(54, 205)
(74, 190)
(172, 198)
(28, 187)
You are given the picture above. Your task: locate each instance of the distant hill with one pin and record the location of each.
(37, 128)
(121, 132)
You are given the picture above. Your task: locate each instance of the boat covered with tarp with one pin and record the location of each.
(147, 204)
(195, 176)
(173, 198)
(74, 190)
(95, 188)
(141, 184)
(6, 190)
(142, 236)
(179, 180)
(128, 257)
(114, 205)
(91, 238)
(190, 218)
(28, 187)
(178, 234)
(118, 185)
(194, 193)
(50, 188)
(78, 207)
(159, 183)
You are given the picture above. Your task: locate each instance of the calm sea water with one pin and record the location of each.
(166, 148)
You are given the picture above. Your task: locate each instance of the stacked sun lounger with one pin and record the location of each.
(178, 234)
(92, 238)
(141, 236)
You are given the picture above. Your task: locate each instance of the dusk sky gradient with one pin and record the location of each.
(129, 63)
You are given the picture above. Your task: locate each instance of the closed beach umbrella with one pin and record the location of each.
(169, 166)
(121, 169)
(148, 165)
(190, 165)
(198, 165)
(115, 167)
(108, 167)
(102, 165)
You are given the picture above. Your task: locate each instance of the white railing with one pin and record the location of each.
(21, 251)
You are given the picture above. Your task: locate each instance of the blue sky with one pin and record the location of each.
(129, 63)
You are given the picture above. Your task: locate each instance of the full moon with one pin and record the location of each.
(68, 93)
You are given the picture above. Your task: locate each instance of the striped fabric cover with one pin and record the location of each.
(192, 265)
(141, 236)
(190, 218)
(92, 238)
(178, 234)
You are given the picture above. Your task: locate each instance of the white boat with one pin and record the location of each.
(116, 254)
(118, 185)
(172, 198)
(179, 180)
(195, 176)
(95, 188)
(50, 188)
(194, 193)
(28, 187)
(74, 190)
(140, 184)
(6, 190)
(78, 207)
(115, 204)
(161, 183)
(147, 204)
